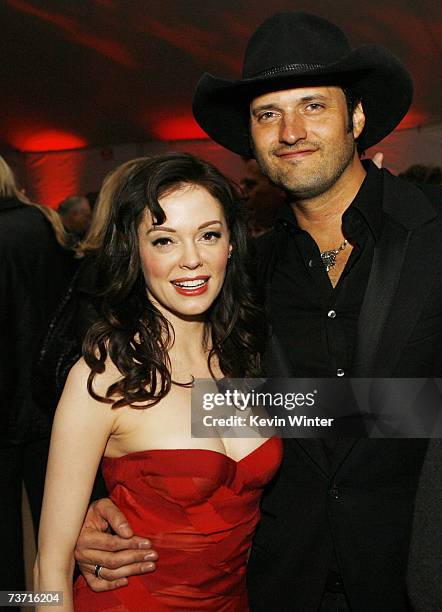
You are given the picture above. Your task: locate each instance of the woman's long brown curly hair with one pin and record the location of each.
(131, 330)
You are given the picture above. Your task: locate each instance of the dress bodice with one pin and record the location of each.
(200, 509)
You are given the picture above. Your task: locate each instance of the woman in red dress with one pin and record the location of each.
(177, 305)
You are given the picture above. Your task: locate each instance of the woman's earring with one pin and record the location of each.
(229, 255)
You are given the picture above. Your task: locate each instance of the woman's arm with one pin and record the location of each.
(80, 432)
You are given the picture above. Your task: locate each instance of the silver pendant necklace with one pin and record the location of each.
(329, 257)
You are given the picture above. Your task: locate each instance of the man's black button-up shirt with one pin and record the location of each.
(315, 323)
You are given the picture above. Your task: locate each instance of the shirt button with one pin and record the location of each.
(340, 372)
(310, 263)
(331, 314)
(334, 492)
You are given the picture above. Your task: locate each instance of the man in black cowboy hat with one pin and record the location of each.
(353, 278)
(353, 281)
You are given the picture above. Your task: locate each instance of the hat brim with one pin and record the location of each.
(221, 107)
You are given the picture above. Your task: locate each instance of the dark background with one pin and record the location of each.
(103, 72)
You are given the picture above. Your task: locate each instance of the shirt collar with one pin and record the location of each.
(367, 204)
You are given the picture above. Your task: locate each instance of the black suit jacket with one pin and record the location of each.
(364, 500)
(425, 563)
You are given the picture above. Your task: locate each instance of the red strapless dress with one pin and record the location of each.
(200, 509)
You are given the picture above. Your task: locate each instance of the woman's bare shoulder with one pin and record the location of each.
(80, 372)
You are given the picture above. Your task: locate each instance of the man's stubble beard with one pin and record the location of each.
(312, 182)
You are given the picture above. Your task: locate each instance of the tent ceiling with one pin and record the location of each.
(101, 72)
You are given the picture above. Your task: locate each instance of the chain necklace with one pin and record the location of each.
(329, 257)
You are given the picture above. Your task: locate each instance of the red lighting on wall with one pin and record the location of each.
(54, 176)
(178, 128)
(413, 119)
(45, 140)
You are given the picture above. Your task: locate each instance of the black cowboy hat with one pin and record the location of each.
(300, 49)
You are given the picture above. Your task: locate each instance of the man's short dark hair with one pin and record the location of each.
(352, 100)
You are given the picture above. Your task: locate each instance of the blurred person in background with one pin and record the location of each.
(75, 212)
(92, 197)
(35, 268)
(78, 307)
(262, 198)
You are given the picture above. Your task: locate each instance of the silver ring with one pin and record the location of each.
(97, 572)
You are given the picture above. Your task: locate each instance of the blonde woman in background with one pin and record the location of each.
(35, 268)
